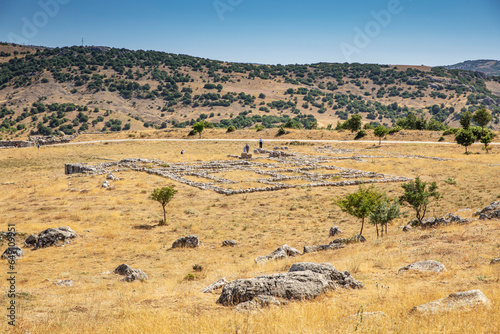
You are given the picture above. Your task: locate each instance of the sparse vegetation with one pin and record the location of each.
(163, 196)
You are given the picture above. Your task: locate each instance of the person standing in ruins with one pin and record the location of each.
(260, 143)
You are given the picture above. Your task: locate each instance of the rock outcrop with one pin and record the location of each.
(280, 253)
(51, 237)
(303, 281)
(191, 241)
(455, 301)
(424, 266)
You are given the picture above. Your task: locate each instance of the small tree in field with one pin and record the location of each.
(163, 196)
(418, 196)
(198, 127)
(486, 139)
(482, 117)
(465, 120)
(380, 131)
(465, 138)
(360, 204)
(384, 213)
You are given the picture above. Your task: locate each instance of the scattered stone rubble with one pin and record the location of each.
(489, 212)
(51, 237)
(455, 301)
(131, 274)
(317, 248)
(303, 281)
(280, 253)
(433, 222)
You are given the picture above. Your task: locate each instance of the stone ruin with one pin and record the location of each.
(286, 170)
(37, 140)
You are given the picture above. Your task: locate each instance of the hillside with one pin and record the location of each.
(53, 90)
(488, 66)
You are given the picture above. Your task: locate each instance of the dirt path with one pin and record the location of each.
(267, 140)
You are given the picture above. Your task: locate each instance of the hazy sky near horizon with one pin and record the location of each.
(412, 32)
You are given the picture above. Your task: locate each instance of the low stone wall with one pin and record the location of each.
(35, 140)
(16, 143)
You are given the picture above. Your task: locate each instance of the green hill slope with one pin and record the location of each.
(53, 90)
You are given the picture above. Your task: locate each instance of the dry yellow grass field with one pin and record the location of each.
(34, 194)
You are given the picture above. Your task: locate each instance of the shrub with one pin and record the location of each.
(281, 131)
(395, 129)
(360, 134)
(231, 129)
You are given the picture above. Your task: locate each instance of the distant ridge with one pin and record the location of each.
(488, 66)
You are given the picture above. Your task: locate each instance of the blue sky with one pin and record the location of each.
(256, 31)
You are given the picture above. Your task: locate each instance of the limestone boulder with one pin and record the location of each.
(295, 285)
(229, 243)
(191, 241)
(31, 241)
(334, 230)
(280, 253)
(465, 300)
(424, 266)
(304, 280)
(13, 253)
(339, 278)
(55, 236)
(131, 274)
(489, 212)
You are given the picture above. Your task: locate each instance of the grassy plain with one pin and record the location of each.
(111, 224)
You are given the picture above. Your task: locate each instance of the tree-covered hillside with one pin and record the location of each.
(63, 90)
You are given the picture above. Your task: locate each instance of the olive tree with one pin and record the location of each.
(163, 195)
(384, 213)
(198, 127)
(418, 196)
(360, 203)
(380, 132)
(465, 138)
(482, 117)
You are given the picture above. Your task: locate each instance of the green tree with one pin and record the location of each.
(418, 196)
(361, 203)
(465, 120)
(486, 139)
(163, 195)
(482, 117)
(465, 138)
(380, 132)
(384, 213)
(353, 123)
(198, 127)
